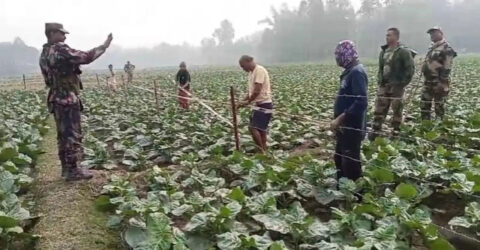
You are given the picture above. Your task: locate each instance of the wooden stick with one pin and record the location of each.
(223, 119)
(125, 89)
(235, 125)
(98, 81)
(155, 88)
(24, 83)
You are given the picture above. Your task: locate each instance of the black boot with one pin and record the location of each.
(77, 174)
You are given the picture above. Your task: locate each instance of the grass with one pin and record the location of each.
(69, 219)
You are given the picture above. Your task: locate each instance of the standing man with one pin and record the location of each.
(350, 112)
(60, 66)
(436, 69)
(129, 68)
(260, 96)
(395, 71)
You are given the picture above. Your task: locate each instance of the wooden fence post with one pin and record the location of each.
(24, 82)
(234, 112)
(155, 88)
(98, 81)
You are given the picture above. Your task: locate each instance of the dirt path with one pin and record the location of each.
(69, 219)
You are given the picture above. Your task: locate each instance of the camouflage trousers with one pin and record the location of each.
(434, 92)
(387, 96)
(69, 135)
(129, 77)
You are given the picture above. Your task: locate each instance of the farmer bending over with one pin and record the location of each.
(260, 97)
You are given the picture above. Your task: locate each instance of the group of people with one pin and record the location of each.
(60, 67)
(395, 71)
(112, 81)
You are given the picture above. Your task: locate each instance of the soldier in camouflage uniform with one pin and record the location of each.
(129, 68)
(60, 66)
(396, 70)
(436, 69)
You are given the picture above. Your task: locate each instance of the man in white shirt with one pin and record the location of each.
(260, 96)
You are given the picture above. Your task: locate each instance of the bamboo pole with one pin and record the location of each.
(155, 88)
(98, 81)
(235, 125)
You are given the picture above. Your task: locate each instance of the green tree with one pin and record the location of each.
(225, 33)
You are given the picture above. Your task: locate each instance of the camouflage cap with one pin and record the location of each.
(54, 27)
(434, 28)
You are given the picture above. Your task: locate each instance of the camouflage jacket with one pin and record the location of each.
(60, 66)
(401, 66)
(439, 62)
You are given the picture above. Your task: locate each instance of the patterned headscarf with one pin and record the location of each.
(346, 53)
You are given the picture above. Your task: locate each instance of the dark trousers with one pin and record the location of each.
(347, 155)
(69, 134)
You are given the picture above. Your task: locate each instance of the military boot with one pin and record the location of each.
(77, 174)
(64, 168)
(64, 171)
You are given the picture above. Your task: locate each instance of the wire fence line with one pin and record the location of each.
(317, 122)
(326, 123)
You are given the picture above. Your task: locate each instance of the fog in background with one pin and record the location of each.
(218, 32)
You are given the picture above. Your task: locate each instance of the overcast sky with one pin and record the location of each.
(134, 23)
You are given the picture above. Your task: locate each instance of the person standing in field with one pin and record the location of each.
(395, 71)
(60, 66)
(183, 80)
(111, 81)
(350, 112)
(260, 96)
(129, 68)
(436, 70)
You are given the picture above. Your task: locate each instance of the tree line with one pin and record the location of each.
(306, 33)
(310, 31)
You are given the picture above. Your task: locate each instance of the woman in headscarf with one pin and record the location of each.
(183, 80)
(350, 112)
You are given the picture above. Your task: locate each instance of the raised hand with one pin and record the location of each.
(108, 41)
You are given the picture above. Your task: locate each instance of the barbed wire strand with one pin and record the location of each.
(357, 160)
(315, 122)
(341, 155)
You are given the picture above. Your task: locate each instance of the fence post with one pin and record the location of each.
(98, 81)
(155, 88)
(125, 89)
(24, 82)
(235, 125)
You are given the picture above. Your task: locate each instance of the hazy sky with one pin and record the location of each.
(134, 23)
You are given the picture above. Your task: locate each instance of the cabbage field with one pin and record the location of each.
(175, 180)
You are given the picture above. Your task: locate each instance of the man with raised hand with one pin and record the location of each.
(60, 66)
